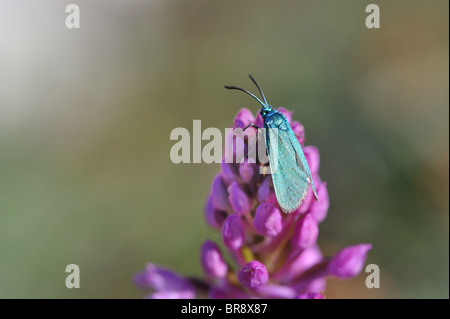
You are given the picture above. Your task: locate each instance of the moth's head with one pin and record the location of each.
(265, 110)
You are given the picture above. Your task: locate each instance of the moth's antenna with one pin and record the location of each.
(260, 91)
(230, 87)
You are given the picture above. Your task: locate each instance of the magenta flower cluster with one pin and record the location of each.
(274, 255)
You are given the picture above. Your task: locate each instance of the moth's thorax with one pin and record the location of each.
(274, 118)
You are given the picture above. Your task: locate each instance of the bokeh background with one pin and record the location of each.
(85, 119)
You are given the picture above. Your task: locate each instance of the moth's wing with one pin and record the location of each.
(289, 176)
(301, 160)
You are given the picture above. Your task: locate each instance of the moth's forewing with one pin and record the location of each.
(290, 172)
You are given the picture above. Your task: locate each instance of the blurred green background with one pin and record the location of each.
(85, 118)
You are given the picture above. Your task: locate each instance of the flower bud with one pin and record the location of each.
(233, 233)
(305, 233)
(229, 172)
(313, 158)
(247, 171)
(319, 208)
(349, 261)
(219, 194)
(240, 203)
(268, 220)
(212, 261)
(168, 285)
(299, 132)
(243, 118)
(265, 191)
(253, 275)
(214, 218)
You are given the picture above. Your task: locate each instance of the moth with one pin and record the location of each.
(290, 172)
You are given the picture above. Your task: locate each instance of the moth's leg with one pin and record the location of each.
(257, 138)
(257, 133)
(265, 168)
(265, 162)
(252, 125)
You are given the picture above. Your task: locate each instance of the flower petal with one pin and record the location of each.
(349, 261)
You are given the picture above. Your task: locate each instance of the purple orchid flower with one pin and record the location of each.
(275, 255)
